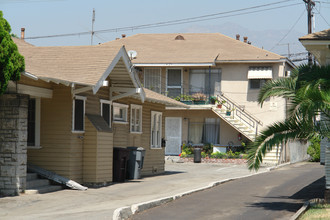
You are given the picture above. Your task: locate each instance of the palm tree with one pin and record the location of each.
(308, 93)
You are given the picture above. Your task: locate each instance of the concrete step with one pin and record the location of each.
(37, 183)
(43, 189)
(31, 176)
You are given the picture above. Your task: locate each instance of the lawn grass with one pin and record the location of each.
(317, 211)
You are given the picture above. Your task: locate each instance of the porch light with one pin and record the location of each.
(105, 83)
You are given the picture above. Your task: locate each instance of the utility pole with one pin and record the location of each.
(288, 44)
(309, 6)
(93, 20)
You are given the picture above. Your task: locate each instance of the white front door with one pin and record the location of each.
(173, 128)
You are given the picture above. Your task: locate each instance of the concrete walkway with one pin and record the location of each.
(101, 203)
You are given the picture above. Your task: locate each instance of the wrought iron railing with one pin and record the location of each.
(239, 112)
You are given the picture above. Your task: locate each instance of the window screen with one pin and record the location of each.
(106, 112)
(174, 77)
(31, 122)
(79, 115)
(152, 79)
(205, 81)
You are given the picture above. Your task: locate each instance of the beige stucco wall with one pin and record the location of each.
(227, 133)
(235, 85)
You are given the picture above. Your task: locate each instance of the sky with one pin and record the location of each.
(275, 27)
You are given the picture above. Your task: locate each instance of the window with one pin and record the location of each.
(206, 81)
(257, 83)
(136, 118)
(174, 81)
(152, 79)
(78, 114)
(33, 130)
(258, 75)
(204, 131)
(106, 111)
(156, 129)
(120, 112)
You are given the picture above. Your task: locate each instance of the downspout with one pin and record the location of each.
(209, 82)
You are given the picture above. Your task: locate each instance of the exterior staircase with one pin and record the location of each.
(272, 157)
(243, 121)
(36, 185)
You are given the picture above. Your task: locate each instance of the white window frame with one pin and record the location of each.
(133, 120)
(160, 78)
(37, 124)
(156, 142)
(73, 113)
(120, 120)
(174, 87)
(103, 101)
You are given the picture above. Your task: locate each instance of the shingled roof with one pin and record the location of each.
(321, 35)
(83, 65)
(191, 48)
(152, 96)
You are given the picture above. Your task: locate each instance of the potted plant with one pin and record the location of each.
(220, 103)
(228, 112)
(199, 98)
(186, 99)
(213, 100)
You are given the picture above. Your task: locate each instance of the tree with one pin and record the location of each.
(11, 62)
(308, 94)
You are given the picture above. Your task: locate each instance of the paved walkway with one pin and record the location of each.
(101, 203)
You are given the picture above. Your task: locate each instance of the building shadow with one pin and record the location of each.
(313, 190)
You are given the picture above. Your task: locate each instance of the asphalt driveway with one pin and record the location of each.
(102, 202)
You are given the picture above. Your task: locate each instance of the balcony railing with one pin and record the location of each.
(240, 113)
(196, 98)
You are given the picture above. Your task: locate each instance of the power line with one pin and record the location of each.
(322, 16)
(178, 21)
(288, 31)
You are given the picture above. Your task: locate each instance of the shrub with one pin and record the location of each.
(203, 154)
(314, 149)
(218, 155)
(187, 149)
(208, 149)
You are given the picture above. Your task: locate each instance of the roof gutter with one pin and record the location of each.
(251, 61)
(172, 64)
(29, 75)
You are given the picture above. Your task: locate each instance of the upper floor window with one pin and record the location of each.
(120, 112)
(78, 124)
(106, 111)
(174, 82)
(258, 76)
(152, 79)
(257, 83)
(205, 81)
(136, 118)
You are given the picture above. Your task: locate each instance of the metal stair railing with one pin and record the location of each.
(240, 113)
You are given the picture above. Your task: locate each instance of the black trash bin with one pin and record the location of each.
(120, 158)
(197, 155)
(135, 163)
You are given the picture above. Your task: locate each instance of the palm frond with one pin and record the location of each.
(284, 87)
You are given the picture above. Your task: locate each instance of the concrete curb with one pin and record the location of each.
(127, 211)
(305, 207)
